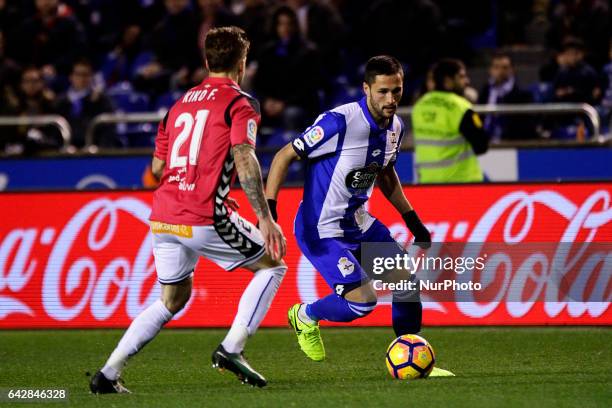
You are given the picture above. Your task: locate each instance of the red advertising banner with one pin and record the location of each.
(84, 259)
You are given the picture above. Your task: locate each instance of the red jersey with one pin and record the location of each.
(195, 140)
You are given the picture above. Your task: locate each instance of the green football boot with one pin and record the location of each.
(309, 335)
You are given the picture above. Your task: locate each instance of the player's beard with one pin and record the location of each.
(380, 112)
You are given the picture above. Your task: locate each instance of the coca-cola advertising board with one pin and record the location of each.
(84, 259)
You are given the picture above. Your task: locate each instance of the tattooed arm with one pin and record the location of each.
(249, 174)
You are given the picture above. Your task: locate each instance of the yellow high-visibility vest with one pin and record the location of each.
(442, 154)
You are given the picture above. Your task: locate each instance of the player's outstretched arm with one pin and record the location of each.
(391, 187)
(249, 174)
(277, 175)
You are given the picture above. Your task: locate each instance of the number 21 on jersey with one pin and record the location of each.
(193, 128)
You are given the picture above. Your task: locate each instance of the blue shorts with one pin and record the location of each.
(338, 259)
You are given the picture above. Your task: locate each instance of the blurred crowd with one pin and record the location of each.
(80, 58)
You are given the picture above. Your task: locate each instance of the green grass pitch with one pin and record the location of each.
(501, 367)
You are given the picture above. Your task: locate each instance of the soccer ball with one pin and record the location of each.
(410, 357)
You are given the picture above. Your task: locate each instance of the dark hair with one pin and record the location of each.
(445, 68)
(572, 43)
(382, 65)
(501, 55)
(224, 47)
(84, 62)
(284, 11)
(29, 68)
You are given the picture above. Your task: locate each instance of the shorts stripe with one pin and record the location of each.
(246, 260)
(177, 280)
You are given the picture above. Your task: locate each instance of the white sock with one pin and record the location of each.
(303, 316)
(253, 306)
(142, 330)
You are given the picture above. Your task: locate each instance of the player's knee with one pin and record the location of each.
(266, 262)
(361, 294)
(176, 300)
(175, 304)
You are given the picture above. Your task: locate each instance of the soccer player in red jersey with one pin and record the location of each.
(205, 138)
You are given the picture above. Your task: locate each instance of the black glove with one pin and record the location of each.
(272, 205)
(422, 237)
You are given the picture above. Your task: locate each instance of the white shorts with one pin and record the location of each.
(231, 242)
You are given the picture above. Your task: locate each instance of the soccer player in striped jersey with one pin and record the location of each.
(347, 150)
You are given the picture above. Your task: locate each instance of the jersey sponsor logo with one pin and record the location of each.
(299, 144)
(476, 120)
(314, 136)
(345, 266)
(252, 130)
(184, 231)
(376, 152)
(339, 290)
(362, 179)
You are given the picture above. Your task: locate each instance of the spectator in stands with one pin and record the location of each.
(122, 63)
(254, 19)
(211, 13)
(82, 102)
(52, 39)
(105, 20)
(503, 88)
(589, 20)
(287, 78)
(33, 98)
(548, 72)
(9, 75)
(576, 81)
(174, 42)
(322, 25)
(606, 102)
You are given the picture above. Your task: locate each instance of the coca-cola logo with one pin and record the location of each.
(85, 259)
(98, 223)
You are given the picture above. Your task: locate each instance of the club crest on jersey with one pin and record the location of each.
(314, 136)
(392, 136)
(252, 130)
(345, 266)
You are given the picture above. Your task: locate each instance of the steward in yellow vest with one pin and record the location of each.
(448, 134)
